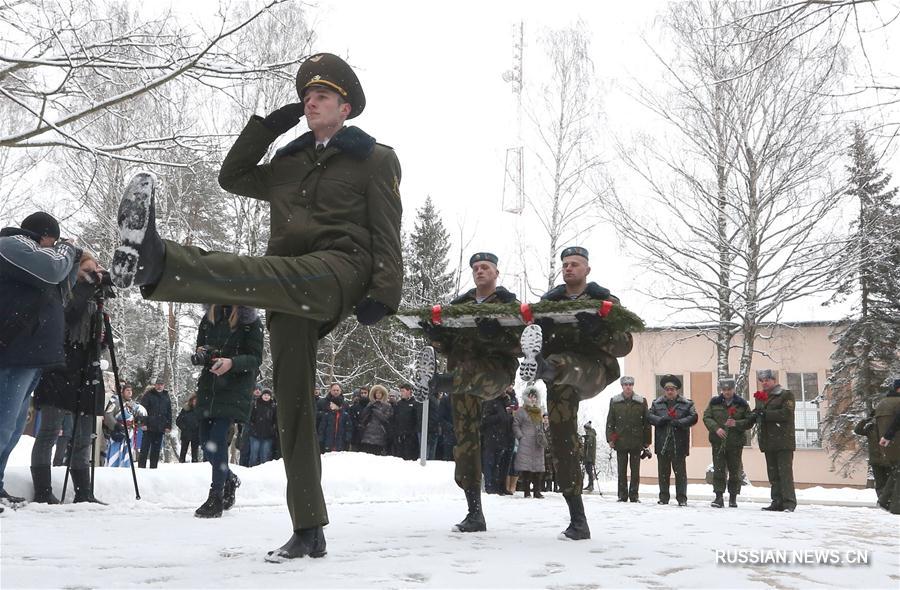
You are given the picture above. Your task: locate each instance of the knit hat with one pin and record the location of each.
(43, 224)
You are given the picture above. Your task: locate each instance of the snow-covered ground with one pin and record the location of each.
(390, 528)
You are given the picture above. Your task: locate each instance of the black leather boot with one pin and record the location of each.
(578, 526)
(229, 493)
(212, 508)
(536, 481)
(81, 480)
(43, 491)
(305, 542)
(526, 483)
(773, 507)
(719, 502)
(732, 500)
(474, 520)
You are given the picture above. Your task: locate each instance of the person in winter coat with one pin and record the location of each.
(628, 434)
(230, 350)
(448, 434)
(774, 415)
(496, 440)
(375, 422)
(263, 428)
(360, 401)
(69, 390)
(36, 275)
(334, 395)
(528, 428)
(405, 426)
(156, 424)
(727, 418)
(117, 448)
(590, 454)
(188, 423)
(335, 428)
(673, 416)
(885, 458)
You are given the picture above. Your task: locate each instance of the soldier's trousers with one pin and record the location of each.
(301, 293)
(562, 407)
(624, 460)
(889, 498)
(882, 474)
(585, 373)
(467, 452)
(727, 459)
(780, 468)
(666, 464)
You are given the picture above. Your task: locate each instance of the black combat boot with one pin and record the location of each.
(732, 500)
(81, 480)
(773, 507)
(536, 481)
(474, 520)
(140, 256)
(305, 542)
(578, 526)
(526, 483)
(212, 508)
(719, 502)
(43, 491)
(229, 493)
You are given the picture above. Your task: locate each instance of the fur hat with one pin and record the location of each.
(766, 374)
(626, 380)
(726, 383)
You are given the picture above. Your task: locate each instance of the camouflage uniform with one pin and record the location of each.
(482, 368)
(727, 453)
(579, 375)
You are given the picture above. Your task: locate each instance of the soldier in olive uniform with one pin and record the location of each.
(774, 413)
(885, 460)
(480, 366)
(575, 365)
(590, 455)
(335, 245)
(673, 416)
(727, 418)
(628, 434)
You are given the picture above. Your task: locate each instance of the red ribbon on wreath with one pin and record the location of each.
(436, 315)
(527, 315)
(605, 308)
(761, 396)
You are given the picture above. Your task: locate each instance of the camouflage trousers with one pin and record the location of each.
(587, 374)
(474, 380)
(727, 459)
(562, 407)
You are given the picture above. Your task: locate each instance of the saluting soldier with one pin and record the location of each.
(727, 418)
(672, 415)
(576, 365)
(628, 434)
(885, 460)
(335, 245)
(480, 366)
(774, 413)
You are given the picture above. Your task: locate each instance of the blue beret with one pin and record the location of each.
(483, 257)
(574, 251)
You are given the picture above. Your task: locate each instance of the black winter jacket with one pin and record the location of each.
(159, 410)
(263, 422)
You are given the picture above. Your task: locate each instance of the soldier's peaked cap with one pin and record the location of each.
(330, 71)
(667, 380)
(483, 257)
(574, 251)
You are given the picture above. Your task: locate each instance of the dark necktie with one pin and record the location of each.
(320, 147)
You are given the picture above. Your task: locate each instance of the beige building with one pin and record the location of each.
(800, 353)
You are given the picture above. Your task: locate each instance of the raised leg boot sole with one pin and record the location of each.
(134, 221)
(423, 373)
(531, 342)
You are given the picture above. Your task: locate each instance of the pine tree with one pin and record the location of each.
(429, 279)
(867, 353)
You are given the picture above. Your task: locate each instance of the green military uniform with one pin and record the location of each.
(885, 461)
(727, 453)
(584, 367)
(628, 432)
(590, 454)
(673, 420)
(481, 368)
(777, 441)
(335, 240)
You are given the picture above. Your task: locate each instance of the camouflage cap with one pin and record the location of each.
(766, 374)
(574, 251)
(483, 257)
(330, 71)
(726, 383)
(626, 380)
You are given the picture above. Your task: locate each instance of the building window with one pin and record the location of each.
(805, 387)
(659, 389)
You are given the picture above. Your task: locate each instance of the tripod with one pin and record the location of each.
(101, 336)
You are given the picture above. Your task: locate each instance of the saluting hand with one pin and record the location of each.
(285, 118)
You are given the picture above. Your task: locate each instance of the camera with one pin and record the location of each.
(104, 287)
(204, 356)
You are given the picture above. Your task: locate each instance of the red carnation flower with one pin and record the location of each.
(672, 412)
(761, 396)
(614, 436)
(732, 411)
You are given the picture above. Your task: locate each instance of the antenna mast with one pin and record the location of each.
(514, 178)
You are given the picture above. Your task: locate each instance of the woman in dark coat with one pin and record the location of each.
(375, 427)
(188, 423)
(229, 348)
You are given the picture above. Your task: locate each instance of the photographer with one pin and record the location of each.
(36, 271)
(71, 390)
(230, 349)
(117, 448)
